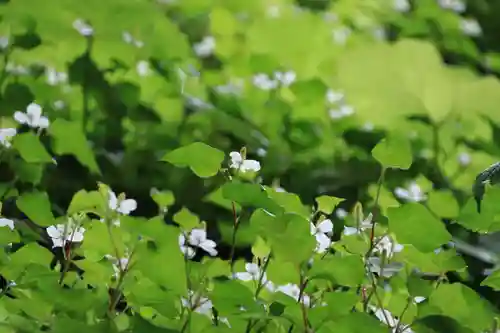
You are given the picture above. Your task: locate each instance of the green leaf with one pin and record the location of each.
(163, 199)
(8, 236)
(252, 195)
(260, 249)
(31, 149)
(84, 201)
(443, 203)
(186, 219)
(36, 205)
(327, 204)
(340, 303)
(493, 280)
(414, 224)
(290, 202)
(297, 232)
(229, 295)
(28, 172)
(70, 139)
(346, 270)
(393, 152)
(204, 160)
(462, 304)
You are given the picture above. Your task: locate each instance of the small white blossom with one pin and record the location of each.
(4, 42)
(388, 269)
(59, 105)
(413, 193)
(243, 165)
(197, 238)
(379, 33)
(32, 117)
(253, 273)
(402, 6)
(471, 27)
(230, 88)
(321, 232)
(264, 82)
(363, 225)
(333, 96)
(261, 152)
(142, 68)
(63, 234)
(122, 206)
(341, 213)
(464, 159)
(293, 291)
(343, 111)
(15, 69)
(198, 103)
(286, 78)
(129, 39)
(54, 77)
(273, 11)
(457, 6)
(340, 35)
(387, 318)
(205, 47)
(7, 223)
(83, 28)
(6, 135)
(387, 245)
(368, 127)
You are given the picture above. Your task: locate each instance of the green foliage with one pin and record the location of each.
(318, 174)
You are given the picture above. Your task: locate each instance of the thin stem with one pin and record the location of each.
(377, 198)
(233, 238)
(400, 318)
(303, 284)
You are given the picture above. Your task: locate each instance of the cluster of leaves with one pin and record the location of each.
(380, 141)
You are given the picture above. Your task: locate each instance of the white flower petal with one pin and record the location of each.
(21, 117)
(325, 226)
(7, 223)
(127, 206)
(250, 165)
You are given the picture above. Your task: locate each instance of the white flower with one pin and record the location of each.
(340, 35)
(419, 299)
(286, 78)
(142, 68)
(7, 223)
(59, 105)
(123, 206)
(14, 69)
(244, 165)
(413, 193)
(6, 135)
(368, 127)
(4, 42)
(363, 225)
(198, 103)
(54, 77)
(470, 27)
(343, 111)
(341, 213)
(197, 238)
(32, 117)
(379, 33)
(252, 273)
(273, 11)
(264, 82)
(464, 159)
(293, 291)
(457, 6)
(321, 232)
(387, 245)
(386, 317)
(261, 152)
(197, 302)
(333, 96)
(83, 28)
(129, 39)
(62, 234)
(401, 6)
(230, 88)
(205, 48)
(388, 269)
